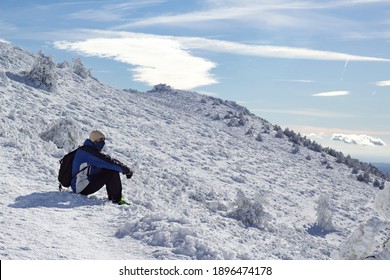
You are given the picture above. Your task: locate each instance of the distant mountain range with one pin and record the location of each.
(384, 167)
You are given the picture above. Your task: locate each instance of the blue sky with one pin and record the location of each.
(321, 68)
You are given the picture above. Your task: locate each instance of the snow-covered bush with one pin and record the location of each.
(370, 240)
(295, 149)
(250, 132)
(65, 134)
(63, 65)
(173, 233)
(324, 213)
(259, 137)
(250, 212)
(324, 224)
(382, 203)
(43, 72)
(162, 88)
(79, 68)
(279, 133)
(364, 177)
(379, 184)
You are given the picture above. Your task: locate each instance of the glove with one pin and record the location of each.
(129, 175)
(127, 171)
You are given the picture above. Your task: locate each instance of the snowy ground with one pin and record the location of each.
(204, 188)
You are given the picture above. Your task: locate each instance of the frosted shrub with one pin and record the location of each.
(279, 133)
(259, 137)
(364, 177)
(250, 212)
(43, 72)
(324, 213)
(295, 149)
(368, 241)
(371, 240)
(79, 68)
(323, 224)
(65, 134)
(63, 65)
(250, 132)
(382, 203)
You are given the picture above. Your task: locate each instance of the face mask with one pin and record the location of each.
(100, 144)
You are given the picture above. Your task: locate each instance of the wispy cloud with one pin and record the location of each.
(264, 14)
(270, 51)
(355, 139)
(6, 27)
(112, 12)
(168, 59)
(382, 83)
(332, 93)
(249, 12)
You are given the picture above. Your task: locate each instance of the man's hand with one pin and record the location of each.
(129, 174)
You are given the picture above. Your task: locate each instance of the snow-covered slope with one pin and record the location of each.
(211, 179)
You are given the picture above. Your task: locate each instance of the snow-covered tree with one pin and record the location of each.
(259, 137)
(43, 72)
(63, 65)
(370, 240)
(250, 212)
(324, 224)
(364, 177)
(279, 132)
(250, 132)
(295, 149)
(324, 214)
(79, 68)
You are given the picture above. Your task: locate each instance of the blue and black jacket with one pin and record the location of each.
(88, 162)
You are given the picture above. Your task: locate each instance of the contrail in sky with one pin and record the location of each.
(345, 67)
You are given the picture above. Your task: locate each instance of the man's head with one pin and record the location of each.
(98, 138)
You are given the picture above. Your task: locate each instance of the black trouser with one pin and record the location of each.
(113, 183)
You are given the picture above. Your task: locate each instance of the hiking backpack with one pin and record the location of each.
(65, 172)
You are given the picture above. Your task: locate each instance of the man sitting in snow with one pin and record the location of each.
(92, 169)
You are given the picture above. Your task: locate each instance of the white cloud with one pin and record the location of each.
(382, 83)
(315, 136)
(167, 59)
(363, 140)
(155, 59)
(332, 93)
(270, 51)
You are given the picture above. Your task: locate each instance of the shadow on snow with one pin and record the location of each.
(317, 230)
(54, 199)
